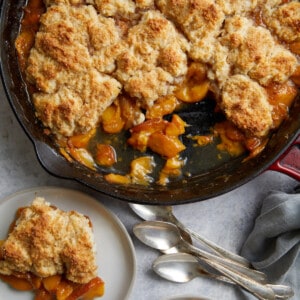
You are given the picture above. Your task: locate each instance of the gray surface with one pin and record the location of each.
(226, 220)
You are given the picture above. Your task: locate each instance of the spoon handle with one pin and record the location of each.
(281, 291)
(261, 291)
(251, 273)
(216, 248)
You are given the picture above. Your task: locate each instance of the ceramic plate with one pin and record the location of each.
(115, 251)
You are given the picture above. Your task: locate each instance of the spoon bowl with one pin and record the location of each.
(180, 267)
(166, 237)
(183, 267)
(153, 212)
(165, 213)
(160, 213)
(161, 235)
(157, 235)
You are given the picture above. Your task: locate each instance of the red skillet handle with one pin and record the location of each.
(289, 162)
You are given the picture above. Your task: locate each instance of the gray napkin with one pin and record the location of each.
(274, 243)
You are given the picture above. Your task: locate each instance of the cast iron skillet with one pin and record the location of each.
(209, 177)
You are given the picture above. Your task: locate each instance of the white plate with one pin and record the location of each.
(115, 251)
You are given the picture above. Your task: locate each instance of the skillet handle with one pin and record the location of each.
(289, 162)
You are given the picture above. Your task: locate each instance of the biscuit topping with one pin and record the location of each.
(47, 241)
(88, 53)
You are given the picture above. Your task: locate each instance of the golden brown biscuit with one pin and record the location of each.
(253, 51)
(284, 20)
(254, 113)
(199, 20)
(88, 52)
(47, 241)
(154, 58)
(66, 66)
(231, 7)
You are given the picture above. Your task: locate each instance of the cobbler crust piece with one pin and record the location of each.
(47, 241)
(88, 53)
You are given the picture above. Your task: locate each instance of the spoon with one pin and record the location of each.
(166, 236)
(165, 213)
(183, 267)
(163, 235)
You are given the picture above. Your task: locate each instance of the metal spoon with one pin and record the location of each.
(163, 235)
(165, 213)
(183, 267)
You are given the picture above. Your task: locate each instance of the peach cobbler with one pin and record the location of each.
(124, 65)
(52, 253)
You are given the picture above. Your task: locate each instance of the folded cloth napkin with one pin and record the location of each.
(273, 245)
